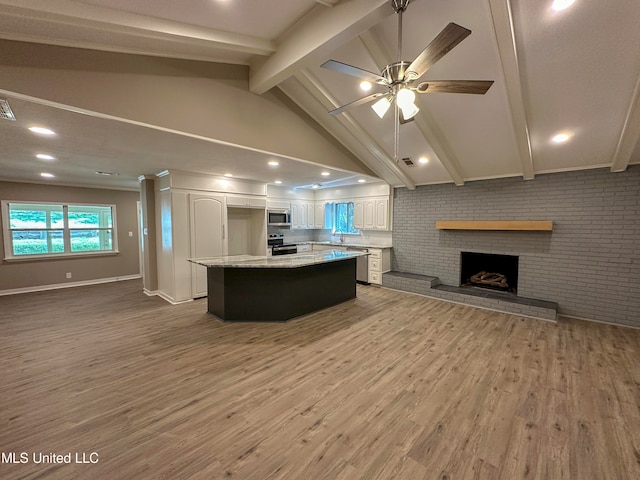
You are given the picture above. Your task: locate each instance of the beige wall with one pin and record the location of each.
(197, 98)
(34, 273)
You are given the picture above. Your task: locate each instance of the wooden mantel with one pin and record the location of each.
(519, 225)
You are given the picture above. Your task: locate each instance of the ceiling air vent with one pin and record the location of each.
(5, 110)
(408, 162)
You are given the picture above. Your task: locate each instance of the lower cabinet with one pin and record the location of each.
(379, 263)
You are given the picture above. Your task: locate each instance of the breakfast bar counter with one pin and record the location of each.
(256, 288)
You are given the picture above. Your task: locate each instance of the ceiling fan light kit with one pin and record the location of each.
(381, 106)
(399, 76)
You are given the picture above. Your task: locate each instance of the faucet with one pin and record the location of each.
(338, 232)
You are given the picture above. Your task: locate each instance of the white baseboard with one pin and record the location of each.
(164, 296)
(56, 286)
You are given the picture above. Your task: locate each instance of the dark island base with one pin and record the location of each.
(278, 294)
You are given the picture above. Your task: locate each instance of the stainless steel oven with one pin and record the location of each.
(278, 217)
(276, 243)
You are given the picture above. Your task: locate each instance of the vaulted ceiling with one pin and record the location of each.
(573, 71)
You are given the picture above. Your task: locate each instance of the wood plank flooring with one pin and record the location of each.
(387, 386)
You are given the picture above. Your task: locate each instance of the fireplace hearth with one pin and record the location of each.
(489, 270)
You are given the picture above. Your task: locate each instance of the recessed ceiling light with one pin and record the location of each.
(362, 180)
(228, 174)
(315, 185)
(273, 163)
(325, 174)
(44, 156)
(561, 4)
(423, 160)
(107, 174)
(278, 182)
(42, 131)
(560, 137)
(366, 86)
(47, 175)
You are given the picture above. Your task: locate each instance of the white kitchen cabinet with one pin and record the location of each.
(379, 263)
(208, 236)
(295, 215)
(304, 248)
(311, 214)
(382, 214)
(358, 214)
(369, 215)
(241, 201)
(302, 214)
(318, 220)
(279, 204)
(302, 208)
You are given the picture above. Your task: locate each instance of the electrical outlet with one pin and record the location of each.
(131, 234)
(68, 274)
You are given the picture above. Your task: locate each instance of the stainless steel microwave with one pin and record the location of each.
(279, 217)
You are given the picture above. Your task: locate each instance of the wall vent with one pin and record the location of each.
(408, 162)
(5, 110)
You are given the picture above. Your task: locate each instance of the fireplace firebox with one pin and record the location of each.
(488, 270)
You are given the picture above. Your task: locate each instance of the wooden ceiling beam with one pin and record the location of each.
(503, 27)
(315, 35)
(629, 135)
(80, 16)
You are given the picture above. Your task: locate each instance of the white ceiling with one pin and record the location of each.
(575, 70)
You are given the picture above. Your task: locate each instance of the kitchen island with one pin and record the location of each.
(252, 288)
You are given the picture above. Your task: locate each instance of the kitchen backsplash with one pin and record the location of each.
(366, 237)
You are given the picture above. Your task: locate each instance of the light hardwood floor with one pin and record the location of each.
(387, 386)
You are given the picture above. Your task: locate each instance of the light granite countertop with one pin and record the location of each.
(345, 244)
(279, 261)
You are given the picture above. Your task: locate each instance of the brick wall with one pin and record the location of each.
(589, 264)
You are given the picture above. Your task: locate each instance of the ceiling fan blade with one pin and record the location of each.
(354, 71)
(448, 38)
(360, 101)
(478, 87)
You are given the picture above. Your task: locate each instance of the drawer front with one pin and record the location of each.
(375, 254)
(374, 277)
(374, 265)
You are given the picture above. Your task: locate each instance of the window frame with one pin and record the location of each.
(334, 216)
(7, 231)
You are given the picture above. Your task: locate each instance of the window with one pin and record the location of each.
(48, 229)
(343, 218)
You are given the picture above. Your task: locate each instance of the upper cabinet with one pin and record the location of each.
(318, 218)
(239, 201)
(371, 214)
(381, 219)
(307, 214)
(358, 214)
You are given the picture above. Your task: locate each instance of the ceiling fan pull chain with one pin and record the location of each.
(396, 136)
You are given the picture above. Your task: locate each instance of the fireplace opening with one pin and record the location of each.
(488, 270)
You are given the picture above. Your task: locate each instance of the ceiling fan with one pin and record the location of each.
(399, 77)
